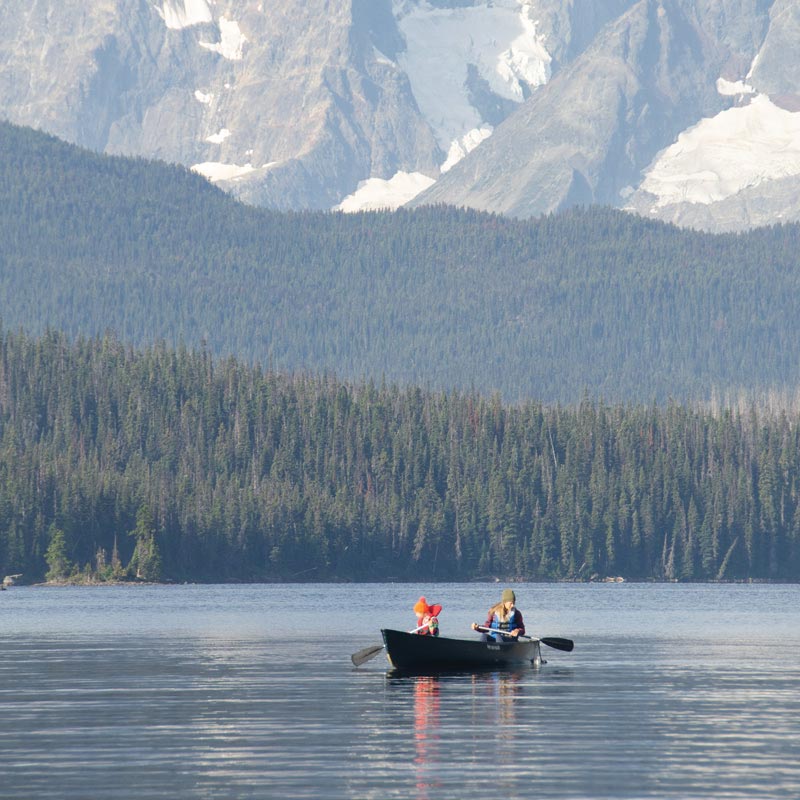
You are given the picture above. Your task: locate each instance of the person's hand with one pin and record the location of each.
(474, 626)
(515, 632)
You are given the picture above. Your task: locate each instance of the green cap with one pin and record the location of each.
(509, 596)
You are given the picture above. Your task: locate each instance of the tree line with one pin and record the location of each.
(590, 301)
(167, 463)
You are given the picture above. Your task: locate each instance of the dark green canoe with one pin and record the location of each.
(410, 651)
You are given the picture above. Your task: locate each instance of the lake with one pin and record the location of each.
(248, 691)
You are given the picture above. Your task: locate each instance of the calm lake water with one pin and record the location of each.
(672, 691)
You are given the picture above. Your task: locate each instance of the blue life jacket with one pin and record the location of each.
(508, 625)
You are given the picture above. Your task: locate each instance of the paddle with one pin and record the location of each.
(556, 642)
(362, 656)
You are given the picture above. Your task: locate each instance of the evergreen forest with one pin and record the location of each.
(592, 302)
(168, 463)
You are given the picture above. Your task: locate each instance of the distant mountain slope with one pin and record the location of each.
(588, 301)
(664, 113)
(684, 111)
(287, 104)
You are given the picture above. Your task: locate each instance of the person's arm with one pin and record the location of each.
(519, 623)
(487, 624)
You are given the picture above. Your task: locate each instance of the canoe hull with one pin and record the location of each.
(410, 651)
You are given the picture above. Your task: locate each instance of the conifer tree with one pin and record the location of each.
(58, 565)
(145, 563)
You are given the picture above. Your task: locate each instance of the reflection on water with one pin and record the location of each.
(469, 729)
(192, 692)
(426, 733)
(492, 692)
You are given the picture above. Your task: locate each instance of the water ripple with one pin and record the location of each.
(229, 707)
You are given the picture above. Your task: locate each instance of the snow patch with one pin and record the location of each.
(231, 40)
(375, 194)
(733, 88)
(526, 60)
(380, 58)
(466, 144)
(497, 37)
(217, 171)
(219, 138)
(752, 66)
(205, 99)
(178, 14)
(720, 156)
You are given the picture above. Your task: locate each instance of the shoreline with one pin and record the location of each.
(510, 581)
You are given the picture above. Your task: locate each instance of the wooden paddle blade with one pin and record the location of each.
(558, 644)
(362, 656)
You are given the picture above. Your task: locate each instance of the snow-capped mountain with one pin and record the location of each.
(684, 110)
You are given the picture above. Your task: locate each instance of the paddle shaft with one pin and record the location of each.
(555, 642)
(506, 633)
(419, 628)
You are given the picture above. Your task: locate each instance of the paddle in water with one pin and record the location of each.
(556, 642)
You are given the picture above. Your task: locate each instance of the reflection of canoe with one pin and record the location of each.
(413, 652)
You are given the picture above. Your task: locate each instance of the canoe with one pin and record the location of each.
(410, 651)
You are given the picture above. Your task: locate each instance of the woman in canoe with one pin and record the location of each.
(427, 617)
(505, 616)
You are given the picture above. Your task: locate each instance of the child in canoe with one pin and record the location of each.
(427, 617)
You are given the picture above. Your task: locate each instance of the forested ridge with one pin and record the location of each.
(590, 302)
(167, 463)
